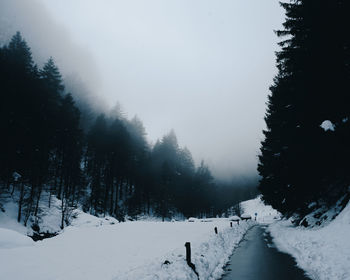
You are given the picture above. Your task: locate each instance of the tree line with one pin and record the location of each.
(107, 168)
(305, 155)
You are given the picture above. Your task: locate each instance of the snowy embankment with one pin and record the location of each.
(323, 252)
(91, 249)
(265, 214)
(48, 220)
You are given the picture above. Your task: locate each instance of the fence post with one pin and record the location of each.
(230, 224)
(188, 252)
(188, 258)
(216, 230)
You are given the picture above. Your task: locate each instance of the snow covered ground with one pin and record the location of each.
(96, 248)
(265, 213)
(8, 219)
(102, 248)
(323, 252)
(12, 239)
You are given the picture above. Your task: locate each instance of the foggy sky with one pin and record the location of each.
(199, 67)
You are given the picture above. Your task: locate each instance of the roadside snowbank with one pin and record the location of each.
(132, 250)
(324, 252)
(210, 253)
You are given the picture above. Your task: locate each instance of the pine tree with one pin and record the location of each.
(52, 76)
(20, 54)
(295, 167)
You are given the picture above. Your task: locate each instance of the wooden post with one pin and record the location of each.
(188, 258)
(188, 252)
(230, 224)
(216, 230)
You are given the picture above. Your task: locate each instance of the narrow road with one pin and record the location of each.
(256, 258)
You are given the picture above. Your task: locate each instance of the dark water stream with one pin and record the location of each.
(256, 258)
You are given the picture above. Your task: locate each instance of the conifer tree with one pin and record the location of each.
(52, 76)
(20, 54)
(294, 165)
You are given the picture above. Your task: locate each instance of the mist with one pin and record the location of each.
(202, 68)
(174, 139)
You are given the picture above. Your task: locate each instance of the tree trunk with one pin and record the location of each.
(112, 197)
(13, 188)
(62, 208)
(107, 187)
(20, 203)
(50, 193)
(37, 201)
(117, 186)
(60, 186)
(29, 209)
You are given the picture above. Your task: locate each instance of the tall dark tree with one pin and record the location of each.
(52, 76)
(96, 156)
(297, 156)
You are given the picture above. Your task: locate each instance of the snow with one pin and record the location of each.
(8, 218)
(246, 216)
(234, 218)
(81, 219)
(327, 125)
(323, 252)
(101, 248)
(12, 239)
(265, 213)
(16, 176)
(49, 219)
(207, 220)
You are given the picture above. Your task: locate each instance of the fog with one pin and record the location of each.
(202, 68)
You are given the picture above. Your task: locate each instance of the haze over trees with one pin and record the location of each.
(305, 155)
(103, 164)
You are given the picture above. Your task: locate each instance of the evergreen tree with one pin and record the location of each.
(52, 76)
(20, 55)
(295, 167)
(95, 157)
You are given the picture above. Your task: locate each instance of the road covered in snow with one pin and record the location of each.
(131, 250)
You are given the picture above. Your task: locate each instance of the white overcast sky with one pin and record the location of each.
(200, 67)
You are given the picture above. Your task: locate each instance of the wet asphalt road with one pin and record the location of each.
(256, 258)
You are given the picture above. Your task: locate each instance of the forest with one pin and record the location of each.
(304, 160)
(101, 162)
